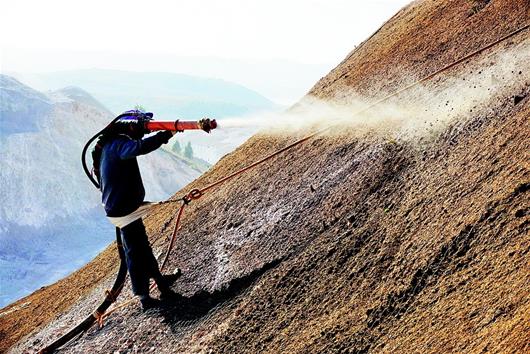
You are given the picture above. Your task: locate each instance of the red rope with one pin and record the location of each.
(173, 236)
(195, 194)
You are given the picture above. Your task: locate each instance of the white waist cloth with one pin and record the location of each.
(122, 221)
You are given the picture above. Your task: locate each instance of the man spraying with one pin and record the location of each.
(123, 193)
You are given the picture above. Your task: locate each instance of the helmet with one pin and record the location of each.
(132, 123)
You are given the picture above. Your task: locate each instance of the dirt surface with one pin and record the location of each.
(47, 303)
(351, 242)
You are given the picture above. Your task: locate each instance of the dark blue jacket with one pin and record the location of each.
(121, 183)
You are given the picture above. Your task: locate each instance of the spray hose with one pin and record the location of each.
(195, 194)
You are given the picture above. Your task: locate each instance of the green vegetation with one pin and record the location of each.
(176, 148)
(188, 151)
(186, 154)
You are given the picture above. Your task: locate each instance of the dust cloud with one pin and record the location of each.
(425, 110)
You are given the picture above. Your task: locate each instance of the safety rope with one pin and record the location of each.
(162, 267)
(195, 194)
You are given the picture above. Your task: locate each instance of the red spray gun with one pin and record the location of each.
(136, 123)
(205, 124)
(143, 121)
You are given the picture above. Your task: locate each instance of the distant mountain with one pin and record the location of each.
(169, 95)
(77, 94)
(20, 106)
(51, 221)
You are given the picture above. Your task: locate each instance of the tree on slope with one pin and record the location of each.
(188, 151)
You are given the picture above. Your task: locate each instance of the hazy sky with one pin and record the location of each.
(144, 35)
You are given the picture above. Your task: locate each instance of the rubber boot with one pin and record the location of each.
(149, 303)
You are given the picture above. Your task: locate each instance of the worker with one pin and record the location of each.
(123, 198)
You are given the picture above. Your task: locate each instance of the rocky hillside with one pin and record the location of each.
(406, 230)
(21, 107)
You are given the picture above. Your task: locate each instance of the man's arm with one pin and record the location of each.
(128, 148)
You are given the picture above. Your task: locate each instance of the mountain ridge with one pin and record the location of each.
(174, 95)
(78, 94)
(34, 104)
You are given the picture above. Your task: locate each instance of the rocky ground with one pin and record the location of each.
(364, 240)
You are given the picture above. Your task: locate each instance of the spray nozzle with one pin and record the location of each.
(207, 124)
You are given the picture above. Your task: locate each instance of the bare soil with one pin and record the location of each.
(347, 243)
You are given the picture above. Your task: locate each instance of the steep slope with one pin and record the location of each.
(366, 239)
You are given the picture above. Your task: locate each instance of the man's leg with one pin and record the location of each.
(148, 262)
(143, 265)
(151, 264)
(134, 242)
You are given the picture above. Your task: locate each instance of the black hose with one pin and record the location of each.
(85, 148)
(92, 318)
(122, 271)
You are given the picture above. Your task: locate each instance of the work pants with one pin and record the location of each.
(141, 262)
